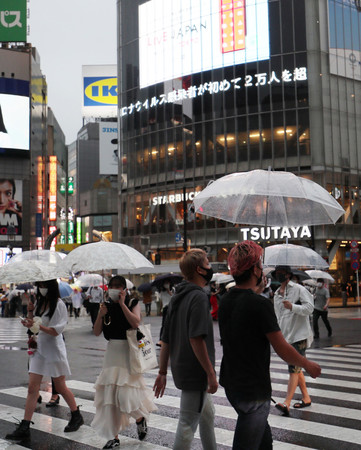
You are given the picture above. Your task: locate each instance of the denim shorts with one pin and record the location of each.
(300, 346)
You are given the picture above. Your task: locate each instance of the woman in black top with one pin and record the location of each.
(119, 395)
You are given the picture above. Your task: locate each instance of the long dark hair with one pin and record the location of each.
(51, 297)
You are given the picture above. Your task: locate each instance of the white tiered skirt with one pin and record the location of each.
(119, 395)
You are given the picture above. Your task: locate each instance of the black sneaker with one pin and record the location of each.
(112, 443)
(22, 431)
(142, 429)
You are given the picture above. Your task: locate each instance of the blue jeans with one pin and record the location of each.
(252, 430)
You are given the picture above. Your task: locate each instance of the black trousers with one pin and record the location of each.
(93, 309)
(323, 314)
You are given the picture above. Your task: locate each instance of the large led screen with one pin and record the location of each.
(181, 37)
(11, 209)
(14, 122)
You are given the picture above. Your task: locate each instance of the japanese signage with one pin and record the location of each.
(181, 37)
(13, 21)
(11, 210)
(52, 187)
(100, 97)
(274, 233)
(216, 87)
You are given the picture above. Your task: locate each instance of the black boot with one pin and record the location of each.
(75, 422)
(22, 431)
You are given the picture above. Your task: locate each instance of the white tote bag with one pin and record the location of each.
(142, 355)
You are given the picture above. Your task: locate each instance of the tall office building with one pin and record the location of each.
(211, 87)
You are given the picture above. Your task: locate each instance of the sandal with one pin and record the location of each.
(301, 404)
(53, 402)
(283, 408)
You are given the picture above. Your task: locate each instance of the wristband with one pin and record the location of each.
(162, 372)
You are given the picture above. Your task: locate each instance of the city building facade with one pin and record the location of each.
(209, 87)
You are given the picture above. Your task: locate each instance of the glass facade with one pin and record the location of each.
(179, 133)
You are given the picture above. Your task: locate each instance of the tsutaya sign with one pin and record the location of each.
(273, 233)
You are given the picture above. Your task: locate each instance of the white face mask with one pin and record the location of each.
(43, 291)
(319, 285)
(114, 294)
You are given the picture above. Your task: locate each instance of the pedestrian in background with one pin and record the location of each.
(322, 300)
(76, 300)
(95, 296)
(293, 306)
(248, 325)
(158, 302)
(25, 297)
(187, 339)
(147, 300)
(165, 297)
(344, 293)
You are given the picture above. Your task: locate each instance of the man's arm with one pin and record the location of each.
(200, 350)
(161, 380)
(285, 351)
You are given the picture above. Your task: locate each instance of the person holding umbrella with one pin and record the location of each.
(49, 359)
(293, 305)
(119, 395)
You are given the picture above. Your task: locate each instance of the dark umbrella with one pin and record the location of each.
(24, 286)
(145, 287)
(171, 277)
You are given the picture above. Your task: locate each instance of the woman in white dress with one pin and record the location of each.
(49, 358)
(119, 395)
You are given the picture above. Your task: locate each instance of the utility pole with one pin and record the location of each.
(185, 220)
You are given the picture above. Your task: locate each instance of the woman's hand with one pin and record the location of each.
(28, 323)
(122, 295)
(102, 309)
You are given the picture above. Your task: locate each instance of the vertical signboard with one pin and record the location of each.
(11, 211)
(13, 21)
(52, 187)
(78, 230)
(108, 148)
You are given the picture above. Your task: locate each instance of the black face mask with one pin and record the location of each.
(281, 277)
(208, 276)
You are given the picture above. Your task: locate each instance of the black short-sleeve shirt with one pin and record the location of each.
(116, 320)
(244, 320)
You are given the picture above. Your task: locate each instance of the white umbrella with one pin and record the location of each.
(294, 256)
(48, 256)
(221, 278)
(30, 271)
(130, 285)
(262, 197)
(320, 274)
(89, 279)
(310, 282)
(104, 256)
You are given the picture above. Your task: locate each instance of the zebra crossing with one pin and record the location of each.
(332, 422)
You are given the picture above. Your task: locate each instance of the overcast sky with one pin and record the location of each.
(68, 35)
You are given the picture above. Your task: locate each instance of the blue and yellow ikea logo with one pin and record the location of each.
(100, 91)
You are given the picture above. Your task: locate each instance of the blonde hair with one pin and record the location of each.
(190, 261)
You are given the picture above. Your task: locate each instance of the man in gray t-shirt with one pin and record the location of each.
(187, 340)
(322, 299)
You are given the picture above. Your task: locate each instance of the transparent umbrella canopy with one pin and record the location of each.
(48, 256)
(264, 197)
(294, 256)
(30, 271)
(89, 279)
(320, 274)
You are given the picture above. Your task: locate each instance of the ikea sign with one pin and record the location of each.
(100, 91)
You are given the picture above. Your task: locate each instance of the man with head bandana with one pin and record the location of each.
(293, 305)
(248, 326)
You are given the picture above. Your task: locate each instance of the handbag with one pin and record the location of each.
(142, 355)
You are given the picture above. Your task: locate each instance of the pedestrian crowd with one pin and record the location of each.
(251, 316)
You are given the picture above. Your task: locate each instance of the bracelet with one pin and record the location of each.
(162, 372)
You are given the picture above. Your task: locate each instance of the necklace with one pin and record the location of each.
(109, 321)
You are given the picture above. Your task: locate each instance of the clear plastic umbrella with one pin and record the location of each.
(221, 278)
(262, 197)
(89, 279)
(320, 274)
(48, 256)
(294, 256)
(30, 271)
(104, 256)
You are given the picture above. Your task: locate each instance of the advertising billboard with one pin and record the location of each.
(11, 215)
(344, 42)
(100, 91)
(181, 37)
(14, 114)
(108, 149)
(13, 21)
